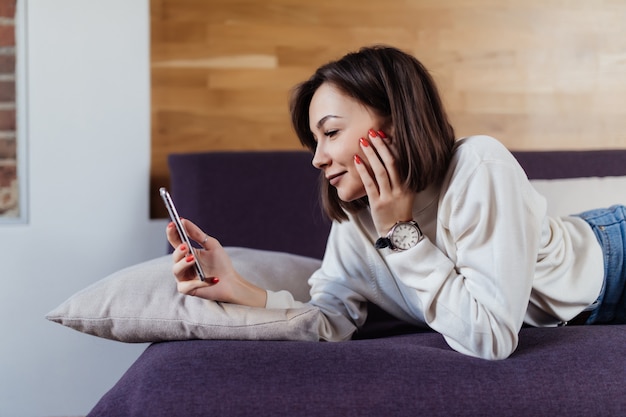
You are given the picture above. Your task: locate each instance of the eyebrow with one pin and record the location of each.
(323, 120)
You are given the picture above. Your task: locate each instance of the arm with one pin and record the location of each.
(473, 287)
(332, 288)
(491, 229)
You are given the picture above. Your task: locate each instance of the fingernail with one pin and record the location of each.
(183, 248)
(189, 258)
(382, 134)
(372, 133)
(357, 159)
(215, 280)
(364, 142)
(170, 225)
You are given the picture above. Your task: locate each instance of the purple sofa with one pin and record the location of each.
(268, 200)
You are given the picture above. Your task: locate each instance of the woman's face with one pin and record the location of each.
(337, 123)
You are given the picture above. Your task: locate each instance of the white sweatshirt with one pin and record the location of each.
(491, 260)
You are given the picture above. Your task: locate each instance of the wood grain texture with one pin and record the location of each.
(535, 74)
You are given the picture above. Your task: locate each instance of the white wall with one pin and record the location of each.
(88, 150)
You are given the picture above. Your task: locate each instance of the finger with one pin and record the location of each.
(371, 188)
(184, 268)
(191, 287)
(376, 165)
(180, 252)
(380, 143)
(198, 235)
(172, 235)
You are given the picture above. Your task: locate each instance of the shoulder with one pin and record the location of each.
(484, 175)
(477, 152)
(482, 148)
(482, 163)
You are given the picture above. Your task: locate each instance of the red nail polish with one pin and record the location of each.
(382, 134)
(215, 280)
(183, 248)
(357, 159)
(170, 225)
(372, 133)
(189, 258)
(364, 142)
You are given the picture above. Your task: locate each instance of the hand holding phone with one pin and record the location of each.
(169, 204)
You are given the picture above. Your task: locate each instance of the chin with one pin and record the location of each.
(351, 195)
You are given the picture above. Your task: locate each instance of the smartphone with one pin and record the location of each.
(169, 204)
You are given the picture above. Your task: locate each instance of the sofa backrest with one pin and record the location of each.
(269, 200)
(265, 200)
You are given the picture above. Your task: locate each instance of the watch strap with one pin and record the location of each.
(382, 242)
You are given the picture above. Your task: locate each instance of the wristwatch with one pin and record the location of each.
(402, 236)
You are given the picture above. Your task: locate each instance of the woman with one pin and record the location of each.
(439, 232)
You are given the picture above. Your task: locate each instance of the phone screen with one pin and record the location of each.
(169, 204)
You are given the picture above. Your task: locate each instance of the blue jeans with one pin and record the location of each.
(609, 225)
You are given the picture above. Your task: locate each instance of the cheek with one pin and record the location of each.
(357, 187)
(351, 145)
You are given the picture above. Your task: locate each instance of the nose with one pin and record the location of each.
(320, 158)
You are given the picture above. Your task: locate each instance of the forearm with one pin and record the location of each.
(477, 314)
(246, 293)
(333, 325)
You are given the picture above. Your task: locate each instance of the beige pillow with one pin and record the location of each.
(141, 304)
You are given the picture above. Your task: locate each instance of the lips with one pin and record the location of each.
(335, 178)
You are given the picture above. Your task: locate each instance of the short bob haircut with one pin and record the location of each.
(398, 88)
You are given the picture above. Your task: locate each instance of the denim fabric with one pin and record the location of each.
(609, 225)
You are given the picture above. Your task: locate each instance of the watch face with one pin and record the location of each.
(405, 236)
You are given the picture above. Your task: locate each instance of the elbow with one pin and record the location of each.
(497, 355)
(487, 346)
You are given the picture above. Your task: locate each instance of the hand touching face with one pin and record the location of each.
(338, 122)
(389, 198)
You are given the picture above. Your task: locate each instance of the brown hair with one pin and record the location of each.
(398, 88)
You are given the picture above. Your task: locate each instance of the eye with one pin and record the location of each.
(331, 133)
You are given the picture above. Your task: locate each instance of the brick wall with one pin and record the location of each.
(8, 148)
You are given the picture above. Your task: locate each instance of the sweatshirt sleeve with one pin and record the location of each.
(282, 299)
(337, 288)
(476, 294)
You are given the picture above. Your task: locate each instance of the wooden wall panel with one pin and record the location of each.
(536, 74)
